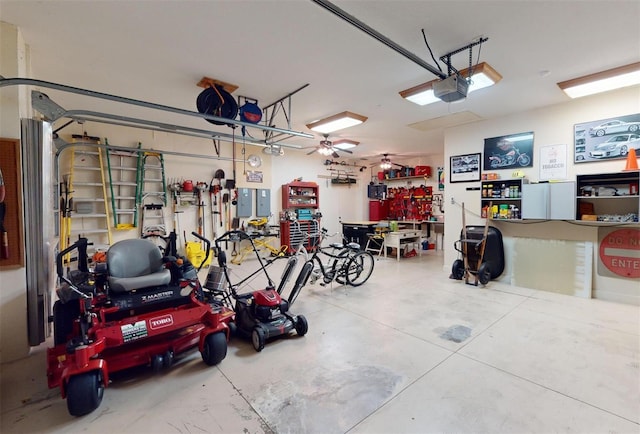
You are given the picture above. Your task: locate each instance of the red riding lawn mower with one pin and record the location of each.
(137, 308)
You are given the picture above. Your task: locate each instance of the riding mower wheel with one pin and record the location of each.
(84, 393)
(215, 348)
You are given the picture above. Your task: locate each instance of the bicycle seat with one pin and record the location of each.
(337, 245)
(354, 246)
(135, 264)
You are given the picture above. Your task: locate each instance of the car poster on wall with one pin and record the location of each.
(607, 139)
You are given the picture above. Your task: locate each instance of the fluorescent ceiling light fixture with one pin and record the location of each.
(483, 75)
(336, 122)
(345, 144)
(604, 81)
(519, 138)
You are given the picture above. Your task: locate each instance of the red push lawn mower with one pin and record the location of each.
(137, 308)
(261, 314)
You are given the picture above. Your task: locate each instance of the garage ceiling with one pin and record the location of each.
(158, 50)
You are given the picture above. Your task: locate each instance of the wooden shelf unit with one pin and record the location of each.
(303, 198)
(300, 195)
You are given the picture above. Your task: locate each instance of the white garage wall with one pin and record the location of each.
(14, 104)
(551, 125)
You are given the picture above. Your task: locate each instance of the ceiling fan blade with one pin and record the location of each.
(311, 152)
(347, 151)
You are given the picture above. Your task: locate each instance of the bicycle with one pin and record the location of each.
(348, 264)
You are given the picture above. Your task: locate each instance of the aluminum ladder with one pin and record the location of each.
(152, 193)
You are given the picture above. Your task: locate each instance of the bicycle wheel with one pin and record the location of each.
(359, 268)
(343, 257)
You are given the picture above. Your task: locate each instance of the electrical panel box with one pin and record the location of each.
(263, 202)
(245, 201)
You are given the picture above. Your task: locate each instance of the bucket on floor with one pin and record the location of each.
(425, 245)
(215, 279)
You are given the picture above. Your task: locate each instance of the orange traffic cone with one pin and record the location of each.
(632, 160)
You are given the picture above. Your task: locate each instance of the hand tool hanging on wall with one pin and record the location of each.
(213, 204)
(201, 187)
(230, 184)
(225, 201)
(175, 186)
(219, 176)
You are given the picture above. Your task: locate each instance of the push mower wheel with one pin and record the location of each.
(484, 274)
(257, 338)
(84, 393)
(215, 348)
(457, 270)
(302, 326)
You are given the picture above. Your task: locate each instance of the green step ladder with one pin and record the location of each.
(123, 168)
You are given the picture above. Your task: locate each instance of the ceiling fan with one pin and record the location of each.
(326, 148)
(386, 163)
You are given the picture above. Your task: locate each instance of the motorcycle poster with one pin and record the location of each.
(507, 152)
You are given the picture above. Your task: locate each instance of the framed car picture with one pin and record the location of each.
(465, 168)
(508, 152)
(606, 139)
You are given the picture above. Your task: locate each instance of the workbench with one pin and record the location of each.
(402, 238)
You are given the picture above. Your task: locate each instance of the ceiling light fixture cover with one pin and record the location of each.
(345, 144)
(604, 81)
(336, 122)
(483, 76)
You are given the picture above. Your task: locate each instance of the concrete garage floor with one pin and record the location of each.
(409, 352)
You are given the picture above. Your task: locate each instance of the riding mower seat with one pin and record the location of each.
(136, 264)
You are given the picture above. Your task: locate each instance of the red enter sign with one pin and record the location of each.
(620, 252)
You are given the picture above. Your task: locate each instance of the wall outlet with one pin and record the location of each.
(453, 201)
